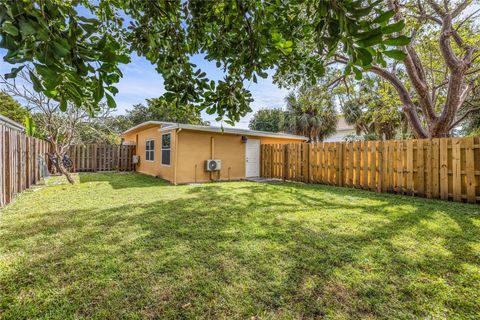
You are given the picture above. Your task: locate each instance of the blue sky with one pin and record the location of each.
(141, 81)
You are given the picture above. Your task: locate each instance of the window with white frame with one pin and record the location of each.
(166, 148)
(149, 150)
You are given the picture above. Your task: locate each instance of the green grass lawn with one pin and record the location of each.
(130, 246)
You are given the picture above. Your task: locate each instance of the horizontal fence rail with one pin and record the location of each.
(445, 168)
(93, 157)
(22, 162)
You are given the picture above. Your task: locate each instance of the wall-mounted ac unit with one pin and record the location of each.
(135, 159)
(213, 165)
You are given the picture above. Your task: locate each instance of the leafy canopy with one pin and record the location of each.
(373, 108)
(77, 57)
(13, 110)
(161, 110)
(311, 113)
(270, 120)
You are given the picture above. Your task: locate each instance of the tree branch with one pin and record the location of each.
(457, 122)
(408, 106)
(459, 9)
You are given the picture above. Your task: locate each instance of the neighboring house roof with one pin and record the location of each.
(172, 125)
(343, 129)
(7, 122)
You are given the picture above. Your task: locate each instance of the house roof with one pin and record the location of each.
(11, 124)
(231, 131)
(146, 124)
(172, 125)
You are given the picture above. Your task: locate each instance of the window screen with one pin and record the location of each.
(166, 149)
(149, 150)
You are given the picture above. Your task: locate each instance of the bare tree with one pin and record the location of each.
(60, 128)
(427, 115)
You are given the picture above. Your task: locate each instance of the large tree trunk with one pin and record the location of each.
(60, 167)
(433, 125)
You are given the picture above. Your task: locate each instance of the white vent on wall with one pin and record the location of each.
(135, 159)
(213, 165)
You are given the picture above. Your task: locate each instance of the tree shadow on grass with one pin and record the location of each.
(273, 251)
(121, 180)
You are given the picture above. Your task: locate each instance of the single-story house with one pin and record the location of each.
(179, 152)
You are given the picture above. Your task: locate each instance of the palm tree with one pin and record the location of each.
(310, 113)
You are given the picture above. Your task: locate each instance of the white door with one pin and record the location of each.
(252, 158)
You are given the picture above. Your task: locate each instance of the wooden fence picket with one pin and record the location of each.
(93, 157)
(445, 168)
(20, 165)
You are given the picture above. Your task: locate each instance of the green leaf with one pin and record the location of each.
(123, 58)
(29, 126)
(368, 34)
(365, 43)
(63, 104)
(26, 28)
(13, 73)
(395, 54)
(44, 71)
(358, 73)
(347, 69)
(110, 101)
(9, 28)
(61, 49)
(384, 16)
(51, 93)
(396, 27)
(37, 84)
(364, 55)
(362, 12)
(398, 41)
(98, 93)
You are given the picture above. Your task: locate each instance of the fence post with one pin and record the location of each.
(380, 175)
(8, 170)
(118, 157)
(285, 162)
(470, 169)
(305, 169)
(95, 154)
(340, 161)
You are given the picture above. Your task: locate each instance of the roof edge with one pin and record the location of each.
(233, 131)
(138, 126)
(11, 124)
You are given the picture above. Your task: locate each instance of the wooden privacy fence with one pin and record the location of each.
(21, 160)
(446, 168)
(93, 157)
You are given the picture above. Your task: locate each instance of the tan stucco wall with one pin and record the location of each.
(154, 168)
(194, 147)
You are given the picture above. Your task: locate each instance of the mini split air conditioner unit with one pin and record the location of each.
(213, 165)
